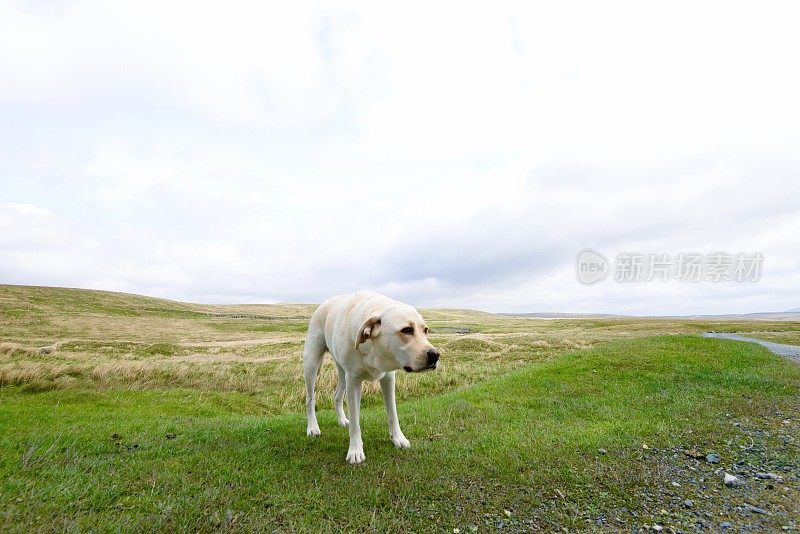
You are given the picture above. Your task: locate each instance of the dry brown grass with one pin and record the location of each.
(786, 337)
(63, 338)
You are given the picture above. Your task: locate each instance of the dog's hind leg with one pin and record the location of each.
(313, 354)
(338, 397)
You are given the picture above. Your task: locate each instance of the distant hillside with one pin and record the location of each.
(556, 315)
(19, 299)
(43, 300)
(790, 315)
(15, 299)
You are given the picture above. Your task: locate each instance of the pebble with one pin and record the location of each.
(688, 503)
(602, 451)
(658, 528)
(732, 481)
(767, 476)
(712, 458)
(725, 524)
(756, 509)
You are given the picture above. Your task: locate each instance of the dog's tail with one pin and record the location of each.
(313, 354)
(314, 349)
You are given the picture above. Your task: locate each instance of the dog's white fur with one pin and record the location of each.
(368, 336)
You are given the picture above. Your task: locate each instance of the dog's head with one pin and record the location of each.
(399, 339)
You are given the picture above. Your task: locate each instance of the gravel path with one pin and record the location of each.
(790, 351)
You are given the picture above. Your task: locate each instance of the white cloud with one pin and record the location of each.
(447, 154)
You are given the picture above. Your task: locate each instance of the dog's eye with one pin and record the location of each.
(408, 330)
(426, 330)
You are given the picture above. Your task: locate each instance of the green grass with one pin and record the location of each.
(162, 349)
(520, 448)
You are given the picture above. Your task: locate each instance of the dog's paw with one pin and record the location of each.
(344, 421)
(356, 456)
(313, 431)
(401, 442)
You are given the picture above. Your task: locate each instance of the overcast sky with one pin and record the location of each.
(443, 154)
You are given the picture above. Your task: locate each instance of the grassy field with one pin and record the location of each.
(787, 337)
(132, 413)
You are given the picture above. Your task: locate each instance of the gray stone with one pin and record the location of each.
(732, 481)
(712, 458)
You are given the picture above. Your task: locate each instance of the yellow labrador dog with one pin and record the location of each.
(369, 336)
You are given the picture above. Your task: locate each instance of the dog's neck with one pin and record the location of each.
(376, 364)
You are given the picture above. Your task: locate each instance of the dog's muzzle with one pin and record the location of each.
(431, 360)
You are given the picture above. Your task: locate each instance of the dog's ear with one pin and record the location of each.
(369, 330)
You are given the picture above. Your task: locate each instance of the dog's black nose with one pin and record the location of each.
(433, 356)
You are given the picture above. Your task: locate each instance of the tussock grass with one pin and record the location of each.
(162, 349)
(14, 349)
(785, 337)
(474, 344)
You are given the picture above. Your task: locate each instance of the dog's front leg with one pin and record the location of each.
(395, 434)
(355, 454)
